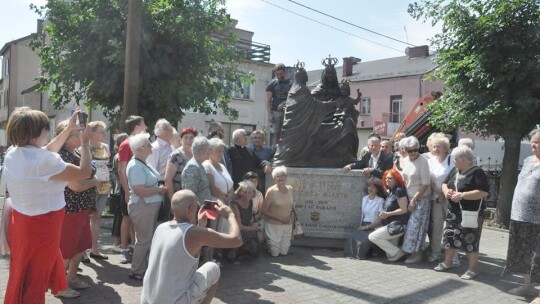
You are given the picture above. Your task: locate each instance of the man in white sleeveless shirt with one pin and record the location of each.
(172, 275)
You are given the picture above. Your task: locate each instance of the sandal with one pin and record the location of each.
(442, 267)
(68, 293)
(78, 284)
(98, 256)
(137, 277)
(469, 275)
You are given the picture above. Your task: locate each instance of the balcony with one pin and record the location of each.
(255, 51)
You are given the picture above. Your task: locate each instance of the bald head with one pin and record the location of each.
(182, 199)
(181, 203)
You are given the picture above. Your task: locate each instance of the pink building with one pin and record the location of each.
(389, 88)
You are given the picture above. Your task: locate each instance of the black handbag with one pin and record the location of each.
(164, 214)
(395, 227)
(114, 203)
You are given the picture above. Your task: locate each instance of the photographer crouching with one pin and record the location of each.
(172, 275)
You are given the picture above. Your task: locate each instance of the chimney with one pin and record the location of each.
(40, 26)
(348, 63)
(417, 51)
(347, 66)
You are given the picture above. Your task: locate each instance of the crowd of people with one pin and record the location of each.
(198, 191)
(183, 190)
(440, 195)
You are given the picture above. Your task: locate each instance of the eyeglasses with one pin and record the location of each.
(412, 151)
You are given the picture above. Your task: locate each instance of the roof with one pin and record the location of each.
(31, 89)
(382, 69)
(13, 42)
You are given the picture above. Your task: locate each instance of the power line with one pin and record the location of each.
(332, 27)
(352, 24)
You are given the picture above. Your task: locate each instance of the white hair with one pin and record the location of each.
(215, 143)
(277, 170)
(534, 132)
(200, 143)
(373, 139)
(409, 143)
(161, 125)
(138, 141)
(466, 142)
(237, 133)
(463, 152)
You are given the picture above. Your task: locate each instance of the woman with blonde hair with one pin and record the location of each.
(100, 156)
(80, 197)
(440, 164)
(36, 177)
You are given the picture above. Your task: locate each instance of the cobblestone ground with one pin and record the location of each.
(315, 275)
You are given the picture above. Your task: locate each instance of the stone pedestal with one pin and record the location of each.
(328, 203)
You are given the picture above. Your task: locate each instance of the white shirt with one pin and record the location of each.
(222, 180)
(439, 171)
(161, 150)
(28, 171)
(416, 175)
(375, 160)
(371, 208)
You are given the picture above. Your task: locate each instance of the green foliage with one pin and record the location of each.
(489, 57)
(187, 49)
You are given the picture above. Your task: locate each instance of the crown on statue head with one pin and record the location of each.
(330, 61)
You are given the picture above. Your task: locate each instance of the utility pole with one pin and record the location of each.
(131, 73)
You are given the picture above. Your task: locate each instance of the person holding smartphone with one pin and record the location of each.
(173, 275)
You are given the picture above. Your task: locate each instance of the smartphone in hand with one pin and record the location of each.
(82, 118)
(209, 208)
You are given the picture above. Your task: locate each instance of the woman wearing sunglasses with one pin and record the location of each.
(417, 181)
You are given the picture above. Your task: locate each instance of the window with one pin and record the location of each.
(365, 106)
(5, 68)
(243, 93)
(229, 128)
(395, 109)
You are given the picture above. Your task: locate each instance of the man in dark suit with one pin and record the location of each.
(373, 163)
(244, 160)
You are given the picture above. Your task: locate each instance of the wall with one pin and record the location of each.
(252, 112)
(380, 90)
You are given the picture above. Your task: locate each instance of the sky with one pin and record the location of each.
(290, 36)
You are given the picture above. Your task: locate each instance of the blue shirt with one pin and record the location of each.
(139, 173)
(266, 153)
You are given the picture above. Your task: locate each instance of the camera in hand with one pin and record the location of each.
(209, 208)
(82, 118)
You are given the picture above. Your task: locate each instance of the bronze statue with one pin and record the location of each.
(319, 128)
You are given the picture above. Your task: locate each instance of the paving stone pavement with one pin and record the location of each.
(317, 275)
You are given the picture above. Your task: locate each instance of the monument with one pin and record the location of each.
(318, 138)
(319, 127)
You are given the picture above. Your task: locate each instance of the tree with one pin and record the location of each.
(188, 56)
(489, 56)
